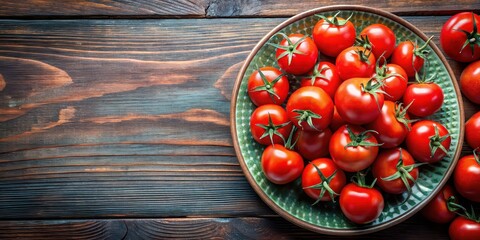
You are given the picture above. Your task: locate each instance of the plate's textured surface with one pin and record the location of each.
(290, 197)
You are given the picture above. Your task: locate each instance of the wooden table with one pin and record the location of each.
(114, 117)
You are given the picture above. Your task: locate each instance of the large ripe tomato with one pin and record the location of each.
(312, 144)
(463, 228)
(409, 56)
(382, 39)
(310, 108)
(355, 62)
(268, 85)
(466, 177)
(296, 54)
(470, 82)
(324, 76)
(392, 125)
(281, 165)
(270, 124)
(472, 131)
(359, 100)
(352, 148)
(437, 209)
(425, 97)
(428, 141)
(322, 180)
(459, 37)
(394, 80)
(333, 34)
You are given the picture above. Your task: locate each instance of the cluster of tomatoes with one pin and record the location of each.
(354, 112)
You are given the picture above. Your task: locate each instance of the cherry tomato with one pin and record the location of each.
(425, 98)
(337, 121)
(470, 82)
(355, 62)
(382, 39)
(312, 144)
(296, 54)
(324, 76)
(269, 124)
(361, 204)
(466, 177)
(319, 172)
(359, 100)
(464, 229)
(281, 165)
(268, 86)
(333, 34)
(437, 210)
(395, 171)
(310, 108)
(472, 131)
(394, 80)
(459, 37)
(409, 56)
(353, 154)
(428, 141)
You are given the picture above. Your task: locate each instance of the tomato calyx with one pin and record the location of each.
(364, 54)
(475, 156)
(401, 113)
(268, 86)
(324, 185)
(381, 71)
(423, 78)
(436, 142)
(453, 206)
(271, 129)
(306, 115)
(359, 179)
(334, 20)
(358, 140)
(290, 49)
(373, 88)
(472, 38)
(363, 41)
(421, 51)
(317, 73)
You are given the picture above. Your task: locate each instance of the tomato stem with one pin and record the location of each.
(271, 129)
(317, 73)
(472, 38)
(373, 88)
(288, 144)
(359, 179)
(436, 142)
(334, 20)
(290, 49)
(360, 139)
(268, 86)
(308, 116)
(453, 206)
(324, 185)
(401, 114)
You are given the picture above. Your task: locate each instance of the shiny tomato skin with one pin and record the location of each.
(418, 141)
(281, 165)
(466, 178)
(300, 63)
(310, 177)
(382, 39)
(470, 82)
(427, 98)
(404, 56)
(472, 131)
(464, 229)
(452, 38)
(350, 65)
(361, 205)
(312, 144)
(278, 116)
(436, 210)
(386, 165)
(395, 86)
(262, 97)
(331, 39)
(329, 82)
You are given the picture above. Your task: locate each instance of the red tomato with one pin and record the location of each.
(312, 144)
(382, 39)
(459, 37)
(428, 141)
(437, 210)
(472, 131)
(324, 76)
(326, 172)
(394, 80)
(409, 56)
(466, 177)
(464, 229)
(333, 34)
(391, 126)
(353, 154)
(355, 62)
(337, 121)
(310, 108)
(268, 86)
(281, 165)
(425, 98)
(470, 82)
(361, 204)
(269, 124)
(395, 171)
(296, 54)
(359, 100)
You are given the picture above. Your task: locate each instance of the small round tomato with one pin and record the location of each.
(333, 34)
(437, 209)
(382, 39)
(281, 165)
(472, 131)
(322, 180)
(394, 80)
(409, 56)
(428, 141)
(312, 144)
(359, 100)
(296, 54)
(463, 228)
(337, 121)
(270, 124)
(268, 85)
(470, 82)
(459, 37)
(352, 148)
(355, 62)
(466, 177)
(310, 108)
(324, 76)
(424, 98)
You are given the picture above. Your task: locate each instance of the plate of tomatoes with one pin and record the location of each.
(346, 119)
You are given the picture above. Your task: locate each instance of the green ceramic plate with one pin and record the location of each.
(289, 200)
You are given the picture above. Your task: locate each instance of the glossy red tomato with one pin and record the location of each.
(281, 165)
(472, 131)
(361, 204)
(356, 102)
(333, 34)
(466, 177)
(382, 39)
(394, 79)
(310, 108)
(437, 210)
(459, 38)
(296, 54)
(409, 56)
(268, 85)
(312, 144)
(269, 124)
(470, 82)
(464, 229)
(393, 168)
(326, 172)
(428, 141)
(353, 154)
(425, 98)
(355, 62)
(324, 76)
(337, 121)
